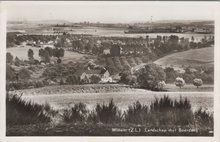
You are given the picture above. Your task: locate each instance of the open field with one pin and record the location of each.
(21, 53)
(122, 99)
(194, 57)
(66, 96)
(35, 29)
(88, 88)
(189, 88)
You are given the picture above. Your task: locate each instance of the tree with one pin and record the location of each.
(24, 74)
(124, 76)
(9, 58)
(40, 52)
(149, 76)
(171, 74)
(85, 80)
(59, 61)
(161, 85)
(17, 61)
(49, 50)
(179, 82)
(197, 82)
(72, 80)
(95, 79)
(47, 57)
(10, 73)
(115, 50)
(132, 80)
(44, 55)
(58, 52)
(30, 54)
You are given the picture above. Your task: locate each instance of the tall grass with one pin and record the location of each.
(137, 114)
(78, 113)
(107, 113)
(204, 119)
(19, 111)
(161, 112)
(168, 112)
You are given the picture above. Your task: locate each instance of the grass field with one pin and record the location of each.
(122, 99)
(194, 57)
(21, 53)
(65, 96)
(189, 88)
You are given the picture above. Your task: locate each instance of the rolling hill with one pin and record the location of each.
(194, 57)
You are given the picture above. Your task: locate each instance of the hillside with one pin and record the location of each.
(194, 57)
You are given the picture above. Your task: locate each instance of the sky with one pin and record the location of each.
(110, 11)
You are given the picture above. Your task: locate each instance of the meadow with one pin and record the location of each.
(195, 57)
(65, 96)
(21, 53)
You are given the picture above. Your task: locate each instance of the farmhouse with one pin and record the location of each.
(87, 74)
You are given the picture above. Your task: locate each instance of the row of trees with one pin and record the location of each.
(205, 73)
(48, 52)
(180, 82)
(128, 46)
(152, 77)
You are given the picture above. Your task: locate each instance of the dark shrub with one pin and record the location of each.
(10, 73)
(78, 113)
(9, 58)
(24, 74)
(95, 79)
(59, 61)
(166, 111)
(137, 114)
(106, 113)
(20, 112)
(39, 84)
(73, 79)
(204, 119)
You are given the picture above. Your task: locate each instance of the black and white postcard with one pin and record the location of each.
(95, 70)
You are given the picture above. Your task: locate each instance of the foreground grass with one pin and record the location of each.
(163, 117)
(19, 111)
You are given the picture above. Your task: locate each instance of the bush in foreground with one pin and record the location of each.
(137, 114)
(19, 111)
(161, 112)
(106, 113)
(204, 119)
(77, 113)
